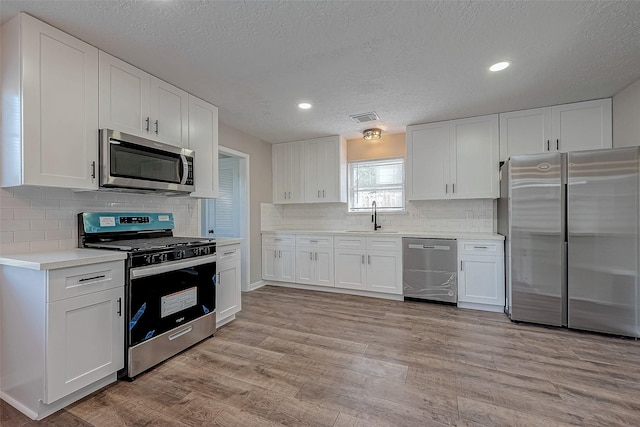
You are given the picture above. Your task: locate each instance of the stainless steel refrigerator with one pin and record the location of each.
(571, 227)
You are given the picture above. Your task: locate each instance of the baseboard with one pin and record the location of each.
(337, 290)
(255, 285)
(483, 307)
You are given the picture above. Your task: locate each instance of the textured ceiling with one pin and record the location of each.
(411, 62)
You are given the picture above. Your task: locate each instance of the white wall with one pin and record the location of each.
(35, 219)
(432, 215)
(626, 116)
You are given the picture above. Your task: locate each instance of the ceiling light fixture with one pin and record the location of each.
(371, 134)
(304, 106)
(499, 66)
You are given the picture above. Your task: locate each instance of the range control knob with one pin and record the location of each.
(179, 254)
(206, 250)
(158, 258)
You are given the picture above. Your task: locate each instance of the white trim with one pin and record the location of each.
(337, 290)
(245, 168)
(255, 285)
(483, 307)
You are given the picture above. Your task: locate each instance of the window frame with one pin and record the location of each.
(367, 210)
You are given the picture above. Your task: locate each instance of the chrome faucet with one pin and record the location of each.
(374, 216)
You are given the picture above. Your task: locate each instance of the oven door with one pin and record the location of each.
(165, 296)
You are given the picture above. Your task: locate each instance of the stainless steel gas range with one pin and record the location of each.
(170, 296)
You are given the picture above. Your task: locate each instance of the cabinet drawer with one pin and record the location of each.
(315, 241)
(278, 239)
(75, 281)
(480, 247)
(228, 253)
(350, 242)
(384, 243)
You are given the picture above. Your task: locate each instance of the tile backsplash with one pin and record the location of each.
(36, 219)
(476, 215)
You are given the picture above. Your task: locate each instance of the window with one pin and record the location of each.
(381, 181)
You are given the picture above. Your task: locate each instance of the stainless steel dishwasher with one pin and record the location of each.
(430, 269)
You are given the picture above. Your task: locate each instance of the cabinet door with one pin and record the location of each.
(582, 125)
(287, 264)
(329, 170)
(323, 267)
(169, 112)
(124, 96)
(228, 289)
(59, 110)
(350, 269)
(428, 161)
(270, 264)
(295, 172)
(312, 182)
(525, 132)
(475, 162)
(203, 139)
(305, 266)
(279, 162)
(480, 280)
(85, 341)
(384, 272)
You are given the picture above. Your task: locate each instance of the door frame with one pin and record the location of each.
(245, 214)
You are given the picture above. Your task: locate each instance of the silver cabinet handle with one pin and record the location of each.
(313, 241)
(311, 256)
(156, 127)
(229, 253)
(446, 188)
(454, 187)
(316, 256)
(363, 259)
(318, 194)
(369, 259)
(285, 195)
(120, 307)
(460, 265)
(93, 170)
(480, 247)
(548, 145)
(147, 126)
(279, 254)
(289, 194)
(275, 254)
(323, 194)
(557, 144)
(86, 279)
(277, 239)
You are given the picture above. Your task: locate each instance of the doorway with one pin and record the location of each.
(228, 215)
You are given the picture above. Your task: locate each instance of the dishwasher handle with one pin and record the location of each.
(434, 247)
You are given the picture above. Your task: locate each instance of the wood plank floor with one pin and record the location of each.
(297, 357)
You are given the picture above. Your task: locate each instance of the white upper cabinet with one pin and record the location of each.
(288, 173)
(326, 170)
(311, 171)
(49, 107)
(582, 126)
(457, 159)
(137, 103)
(203, 139)
(568, 127)
(474, 169)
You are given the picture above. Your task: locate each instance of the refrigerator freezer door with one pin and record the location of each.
(538, 279)
(603, 241)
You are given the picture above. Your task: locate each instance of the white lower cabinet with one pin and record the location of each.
(368, 263)
(228, 281)
(481, 282)
(314, 260)
(62, 334)
(278, 257)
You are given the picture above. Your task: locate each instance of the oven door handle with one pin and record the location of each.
(139, 272)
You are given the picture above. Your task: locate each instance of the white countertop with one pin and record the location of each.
(419, 234)
(61, 259)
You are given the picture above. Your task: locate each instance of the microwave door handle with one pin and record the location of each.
(185, 169)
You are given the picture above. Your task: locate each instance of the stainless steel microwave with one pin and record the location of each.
(129, 162)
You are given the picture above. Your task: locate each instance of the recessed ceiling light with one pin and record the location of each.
(499, 66)
(304, 106)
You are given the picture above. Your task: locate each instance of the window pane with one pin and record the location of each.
(381, 181)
